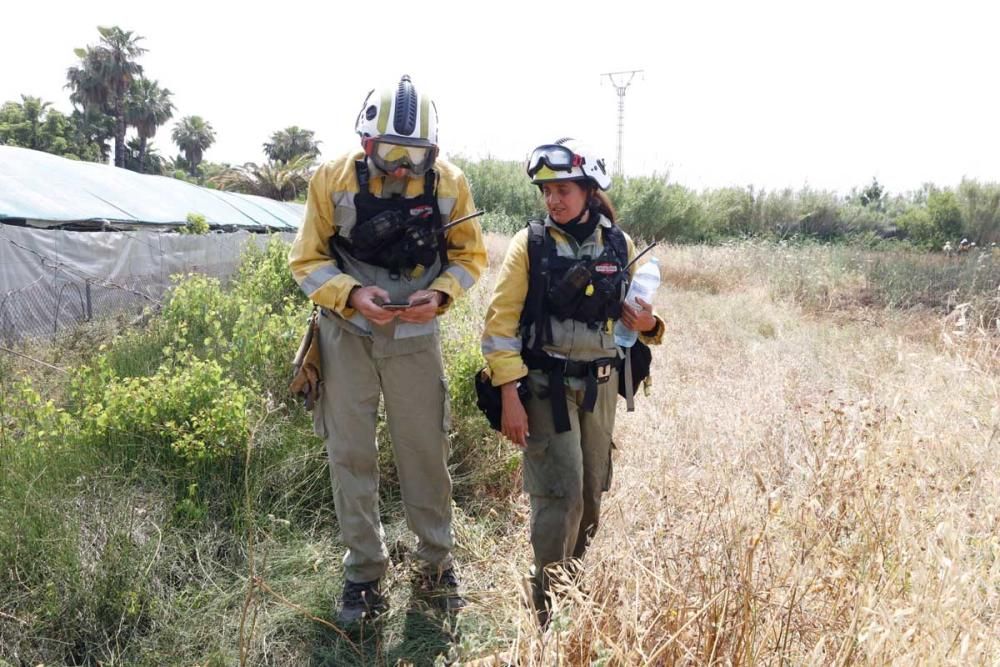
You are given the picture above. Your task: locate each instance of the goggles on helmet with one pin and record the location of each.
(553, 156)
(389, 156)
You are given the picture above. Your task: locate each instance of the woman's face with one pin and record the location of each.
(565, 200)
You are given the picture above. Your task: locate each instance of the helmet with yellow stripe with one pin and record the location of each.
(567, 160)
(398, 127)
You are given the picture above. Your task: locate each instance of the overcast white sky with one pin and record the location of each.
(772, 93)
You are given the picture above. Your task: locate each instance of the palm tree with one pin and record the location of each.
(291, 142)
(92, 130)
(104, 75)
(34, 109)
(193, 135)
(276, 180)
(148, 106)
(142, 157)
(24, 124)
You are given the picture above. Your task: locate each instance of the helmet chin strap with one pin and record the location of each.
(590, 207)
(578, 218)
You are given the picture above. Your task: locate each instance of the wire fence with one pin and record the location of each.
(51, 280)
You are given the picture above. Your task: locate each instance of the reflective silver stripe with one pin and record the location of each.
(318, 278)
(343, 199)
(410, 330)
(361, 322)
(446, 205)
(460, 274)
(493, 344)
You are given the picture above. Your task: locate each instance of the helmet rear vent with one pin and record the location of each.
(405, 118)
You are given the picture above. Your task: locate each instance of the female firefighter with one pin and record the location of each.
(549, 345)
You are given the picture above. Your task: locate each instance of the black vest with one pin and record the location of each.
(390, 249)
(550, 294)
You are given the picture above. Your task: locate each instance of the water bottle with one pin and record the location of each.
(644, 285)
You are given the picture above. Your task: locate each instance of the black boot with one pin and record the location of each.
(541, 603)
(361, 602)
(441, 590)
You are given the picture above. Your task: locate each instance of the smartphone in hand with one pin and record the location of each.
(390, 305)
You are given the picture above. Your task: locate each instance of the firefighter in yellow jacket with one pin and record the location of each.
(549, 329)
(371, 255)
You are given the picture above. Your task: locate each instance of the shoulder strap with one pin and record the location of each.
(361, 169)
(539, 246)
(614, 238)
(430, 196)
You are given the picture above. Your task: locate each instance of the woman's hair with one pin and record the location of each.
(601, 201)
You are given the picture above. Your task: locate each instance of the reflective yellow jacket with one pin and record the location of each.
(501, 343)
(331, 193)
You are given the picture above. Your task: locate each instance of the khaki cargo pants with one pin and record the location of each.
(414, 388)
(566, 473)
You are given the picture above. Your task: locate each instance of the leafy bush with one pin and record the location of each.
(189, 412)
(502, 187)
(196, 224)
(651, 208)
(264, 277)
(483, 465)
(945, 214)
(918, 226)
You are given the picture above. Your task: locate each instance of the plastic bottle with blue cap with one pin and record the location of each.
(645, 282)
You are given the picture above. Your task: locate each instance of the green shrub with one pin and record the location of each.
(502, 187)
(651, 208)
(483, 464)
(980, 207)
(198, 308)
(196, 224)
(919, 228)
(504, 223)
(189, 412)
(264, 275)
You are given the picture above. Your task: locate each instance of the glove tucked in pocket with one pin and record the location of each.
(308, 368)
(490, 401)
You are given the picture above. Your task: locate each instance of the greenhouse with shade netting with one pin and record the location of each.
(80, 240)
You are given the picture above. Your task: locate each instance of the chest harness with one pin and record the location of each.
(395, 233)
(586, 289)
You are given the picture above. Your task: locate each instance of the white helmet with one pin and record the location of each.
(399, 128)
(566, 160)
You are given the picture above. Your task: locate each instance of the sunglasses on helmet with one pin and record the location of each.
(553, 156)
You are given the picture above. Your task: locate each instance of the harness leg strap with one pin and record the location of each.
(557, 397)
(629, 387)
(590, 393)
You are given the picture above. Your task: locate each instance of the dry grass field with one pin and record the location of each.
(812, 480)
(803, 486)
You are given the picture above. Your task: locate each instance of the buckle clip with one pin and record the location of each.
(602, 370)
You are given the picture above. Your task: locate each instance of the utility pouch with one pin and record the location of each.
(642, 358)
(421, 244)
(564, 296)
(489, 399)
(307, 367)
(368, 239)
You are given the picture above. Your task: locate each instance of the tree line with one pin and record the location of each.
(111, 94)
(655, 208)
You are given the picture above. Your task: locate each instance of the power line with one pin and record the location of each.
(621, 85)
